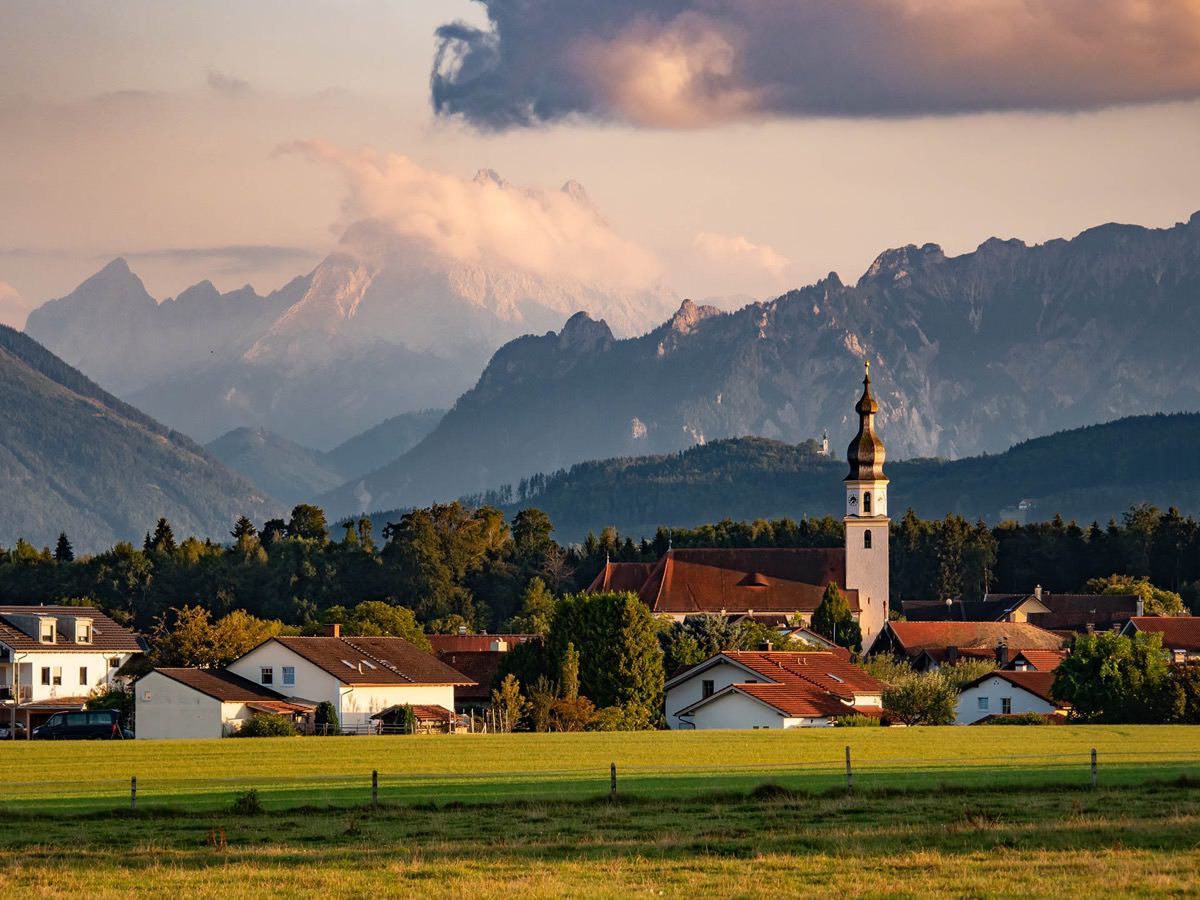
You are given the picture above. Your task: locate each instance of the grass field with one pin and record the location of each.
(1133, 840)
(204, 775)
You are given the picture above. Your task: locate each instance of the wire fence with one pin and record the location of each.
(853, 771)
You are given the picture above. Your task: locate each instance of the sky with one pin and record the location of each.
(728, 148)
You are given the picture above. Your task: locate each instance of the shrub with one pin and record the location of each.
(247, 804)
(261, 725)
(925, 699)
(857, 720)
(326, 715)
(1022, 719)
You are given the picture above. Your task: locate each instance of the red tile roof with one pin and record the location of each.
(621, 576)
(738, 580)
(800, 684)
(481, 668)
(917, 636)
(1178, 632)
(373, 660)
(219, 684)
(476, 643)
(1040, 660)
(107, 635)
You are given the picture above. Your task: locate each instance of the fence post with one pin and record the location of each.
(612, 793)
(374, 787)
(1093, 768)
(849, 776)
(133, 792)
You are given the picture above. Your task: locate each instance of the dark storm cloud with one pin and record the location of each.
(690, 63)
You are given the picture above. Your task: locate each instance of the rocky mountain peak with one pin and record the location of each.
(489, 176)
(689, 315)
(583, 334)
(897, 264)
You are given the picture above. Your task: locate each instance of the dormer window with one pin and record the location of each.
(83, 633)
(46, 633)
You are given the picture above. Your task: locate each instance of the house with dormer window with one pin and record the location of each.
(52, 657)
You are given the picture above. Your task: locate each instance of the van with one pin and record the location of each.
(94, 724)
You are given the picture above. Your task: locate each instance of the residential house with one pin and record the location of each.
(205, 703)
(1006, 692)
(1035, 660)
(52, 657)
(360, 676)
(478, 657)
(928, 645)
(1065, 614)
(1180, 634)
(752, 689)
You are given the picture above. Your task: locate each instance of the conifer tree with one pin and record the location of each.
(63, 552)
(833, 619)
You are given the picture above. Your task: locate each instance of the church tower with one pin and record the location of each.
(867, 519)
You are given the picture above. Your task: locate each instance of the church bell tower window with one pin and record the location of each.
(866, 503)
(867, 539)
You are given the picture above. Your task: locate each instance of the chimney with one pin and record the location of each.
(334, 630)
(1037, 591)
(499, 645)
(1002, 652)
(462, 629)
(1141, 607)
(767, 646)
(951, 654)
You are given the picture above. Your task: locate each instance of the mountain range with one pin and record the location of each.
(74, 458)
(970, 354)
(1087, 474)
(386, 324)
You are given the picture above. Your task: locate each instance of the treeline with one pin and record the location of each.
(454, 566)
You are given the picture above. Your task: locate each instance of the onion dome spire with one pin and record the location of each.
(866, 453)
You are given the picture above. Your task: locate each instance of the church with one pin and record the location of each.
(773, 585)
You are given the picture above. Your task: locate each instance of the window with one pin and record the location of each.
(369, 664)
(289, 674)
(706, 688)
(983, 703)
(867, 539)
(47, 632)
(56, 675)
(266, 675)
(1006, 705)
(83, 675)
(99, 718)
(866, 503)
(114, 662)
(83, 634)
(45, 674)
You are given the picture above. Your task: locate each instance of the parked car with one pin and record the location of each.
(6, 731)
(94, 724)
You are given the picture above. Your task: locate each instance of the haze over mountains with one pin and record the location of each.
(74, 458)
(389, 323)
(970, 355)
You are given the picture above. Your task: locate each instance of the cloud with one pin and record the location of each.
(690, 63)
(13, 307)
(228, 85)
(555, 233)
(737, 251)
(231, 257)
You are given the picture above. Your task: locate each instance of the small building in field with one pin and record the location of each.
(929, 645)
(1007, 693)
(1180, 634)
(53, 657)
(205, 703)
(752, 689)
(360, 676)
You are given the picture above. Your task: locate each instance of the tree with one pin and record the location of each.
(163, 539)
(623, 663)
(570, 673)
(832, 619)
(188, 637)
(63, 552)
(1111, 678)
(537, 610)
(326, 715)
(508, 702)
(243, 528)
(308, 523)
(1155, 601)
(408, 719)
(921, 699)
(377, 618)
(542, 694)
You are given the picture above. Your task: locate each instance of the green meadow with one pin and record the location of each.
(74, 777)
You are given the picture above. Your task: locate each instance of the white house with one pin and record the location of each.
(52, 657)
(203, 703)
(765, 689)
(1004, 693)
(360, 676)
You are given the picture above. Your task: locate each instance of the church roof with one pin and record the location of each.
(865, 453)
(784, 580)
(621, 576)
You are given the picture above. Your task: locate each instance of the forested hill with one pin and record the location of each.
(1087, 474)
(74, 458)
(970, 354)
